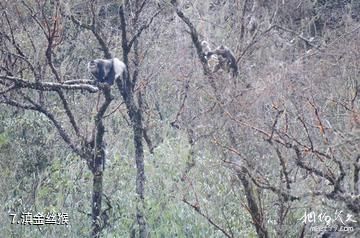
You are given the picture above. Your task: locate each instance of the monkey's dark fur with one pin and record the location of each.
(106, 71)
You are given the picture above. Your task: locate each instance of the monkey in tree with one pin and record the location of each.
(205, 49)
(107, 70)
(212, 60)
(226, 59)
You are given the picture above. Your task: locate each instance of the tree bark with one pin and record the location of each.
(96, 204)
(97, 164)
(126, 87)
(140, 172)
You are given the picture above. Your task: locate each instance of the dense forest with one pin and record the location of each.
(176, 118)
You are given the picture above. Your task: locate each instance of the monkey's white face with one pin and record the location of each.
(204, 44)
(93, 67)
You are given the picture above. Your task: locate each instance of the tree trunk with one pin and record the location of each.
(97, 167)
(140, 177)
(96, 204)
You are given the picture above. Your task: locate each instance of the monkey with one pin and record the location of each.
(221, 64)
(226, 60)
(212, 60)
(107, 70)
(205, 48)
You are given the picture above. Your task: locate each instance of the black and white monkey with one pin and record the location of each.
(107, 70)
(205, 49)
(224, 56)
(212, 60)
(227, 60)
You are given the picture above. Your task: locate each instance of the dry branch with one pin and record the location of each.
(47, 86)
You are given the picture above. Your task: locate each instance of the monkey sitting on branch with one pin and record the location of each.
(212, 60)
(107, 70)
(224, 57)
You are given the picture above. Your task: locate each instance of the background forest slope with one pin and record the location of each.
(174, 149)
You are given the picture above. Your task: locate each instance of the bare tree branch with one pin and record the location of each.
(197, 208)
(47, 86)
